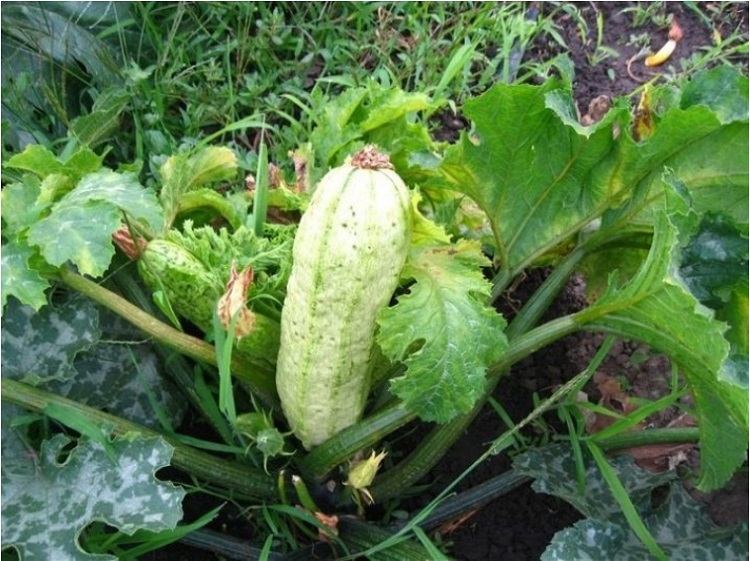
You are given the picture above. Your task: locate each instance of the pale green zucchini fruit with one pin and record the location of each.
(348, 253)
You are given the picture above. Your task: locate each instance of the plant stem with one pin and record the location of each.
(242, 480)
(346, 443)
(541, 300)
(174, 363)
(185, 344)
(632, 439)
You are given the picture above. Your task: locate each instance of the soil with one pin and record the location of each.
(519, 525)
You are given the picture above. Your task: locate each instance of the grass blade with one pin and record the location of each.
(626, 505)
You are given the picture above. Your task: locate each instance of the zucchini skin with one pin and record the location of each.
(349, 250)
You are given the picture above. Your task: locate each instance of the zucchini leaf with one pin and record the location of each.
(20, 278)
(187, 171)
(714, 266)
(679, 524)
(540, 176)
(84, 352)
(442, 330)
(656, 307)
(50, 502)
(371, 114)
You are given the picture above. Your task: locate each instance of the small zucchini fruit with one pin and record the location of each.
(348, 253)
(193, 292)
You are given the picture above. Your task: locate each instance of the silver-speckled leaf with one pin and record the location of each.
(554, 472)
(107, 378)
(41, 346)
(86, 353)
(679, 524)
(47, 503)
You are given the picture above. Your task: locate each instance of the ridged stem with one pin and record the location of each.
(243, 481)
(632, 439)
(346, 443)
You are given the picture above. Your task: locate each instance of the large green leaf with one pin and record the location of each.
(80, 226)
(537, 174)
(703, 138)
(442, 330)
(46, 502)
(680, 525)
(540, 176)
(657, 308)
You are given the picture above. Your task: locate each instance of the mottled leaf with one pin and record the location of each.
(41, 346)
(679, 524)
(80, 234)
(19, 278)
(554, 468)
(20, 209)
(46, 502)
(442, 330)
(122, 374)
(88, 354)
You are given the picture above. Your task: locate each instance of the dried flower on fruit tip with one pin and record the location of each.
(234, 302)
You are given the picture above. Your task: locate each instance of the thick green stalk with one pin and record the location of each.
(260, 384)
(243, 481)
(368, 432)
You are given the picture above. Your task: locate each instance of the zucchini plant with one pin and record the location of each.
(376, 310)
